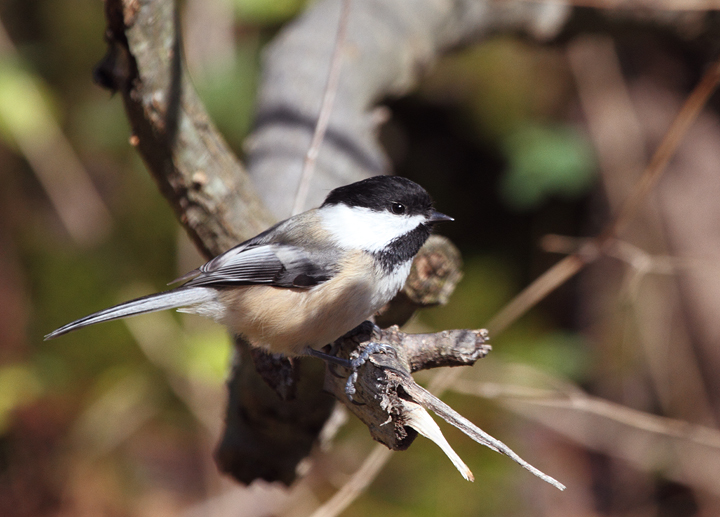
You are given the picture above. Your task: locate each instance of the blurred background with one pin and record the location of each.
(608, 385)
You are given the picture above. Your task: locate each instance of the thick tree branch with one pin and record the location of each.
(201, 178)
(388, 47)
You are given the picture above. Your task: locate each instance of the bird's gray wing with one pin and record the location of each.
(281, 265)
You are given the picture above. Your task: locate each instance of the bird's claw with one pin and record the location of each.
(351, 364)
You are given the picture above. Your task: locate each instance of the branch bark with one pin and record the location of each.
(205, 184)
(383, 382)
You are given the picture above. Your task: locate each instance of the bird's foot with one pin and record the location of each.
(351, 364)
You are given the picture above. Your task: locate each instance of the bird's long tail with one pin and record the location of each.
(181, 297)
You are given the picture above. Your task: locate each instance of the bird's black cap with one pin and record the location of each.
(380, 192)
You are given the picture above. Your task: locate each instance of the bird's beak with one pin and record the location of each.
(436, 217)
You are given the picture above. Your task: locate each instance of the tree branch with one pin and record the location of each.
(384, 386)
(203, 181)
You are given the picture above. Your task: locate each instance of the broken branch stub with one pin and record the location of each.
(393, 406)
(381, 380)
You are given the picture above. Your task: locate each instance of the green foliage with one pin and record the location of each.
(544, 161)
(25, 112)
(559, 353)
(488, 282)
(99, 122)
(20, 384)
(507, 93)
(264, 12)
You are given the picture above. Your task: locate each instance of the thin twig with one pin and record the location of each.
(582, 402)
(325, 111)
(440, 408)
(57, 167)
(647, 263)
(670, 142)
(611, 117)
(627, 5)
(572, 264)
(617, 133)
(635, 257)
(357, 484)
(536, 291)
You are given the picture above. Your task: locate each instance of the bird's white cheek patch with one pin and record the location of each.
(362, 228)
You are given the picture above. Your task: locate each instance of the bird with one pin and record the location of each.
(308, 280)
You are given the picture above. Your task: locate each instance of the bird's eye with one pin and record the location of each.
(397, 208)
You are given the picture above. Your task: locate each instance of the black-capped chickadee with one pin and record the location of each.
(309, 279)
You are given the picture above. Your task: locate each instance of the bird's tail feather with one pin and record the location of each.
(181, 297)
